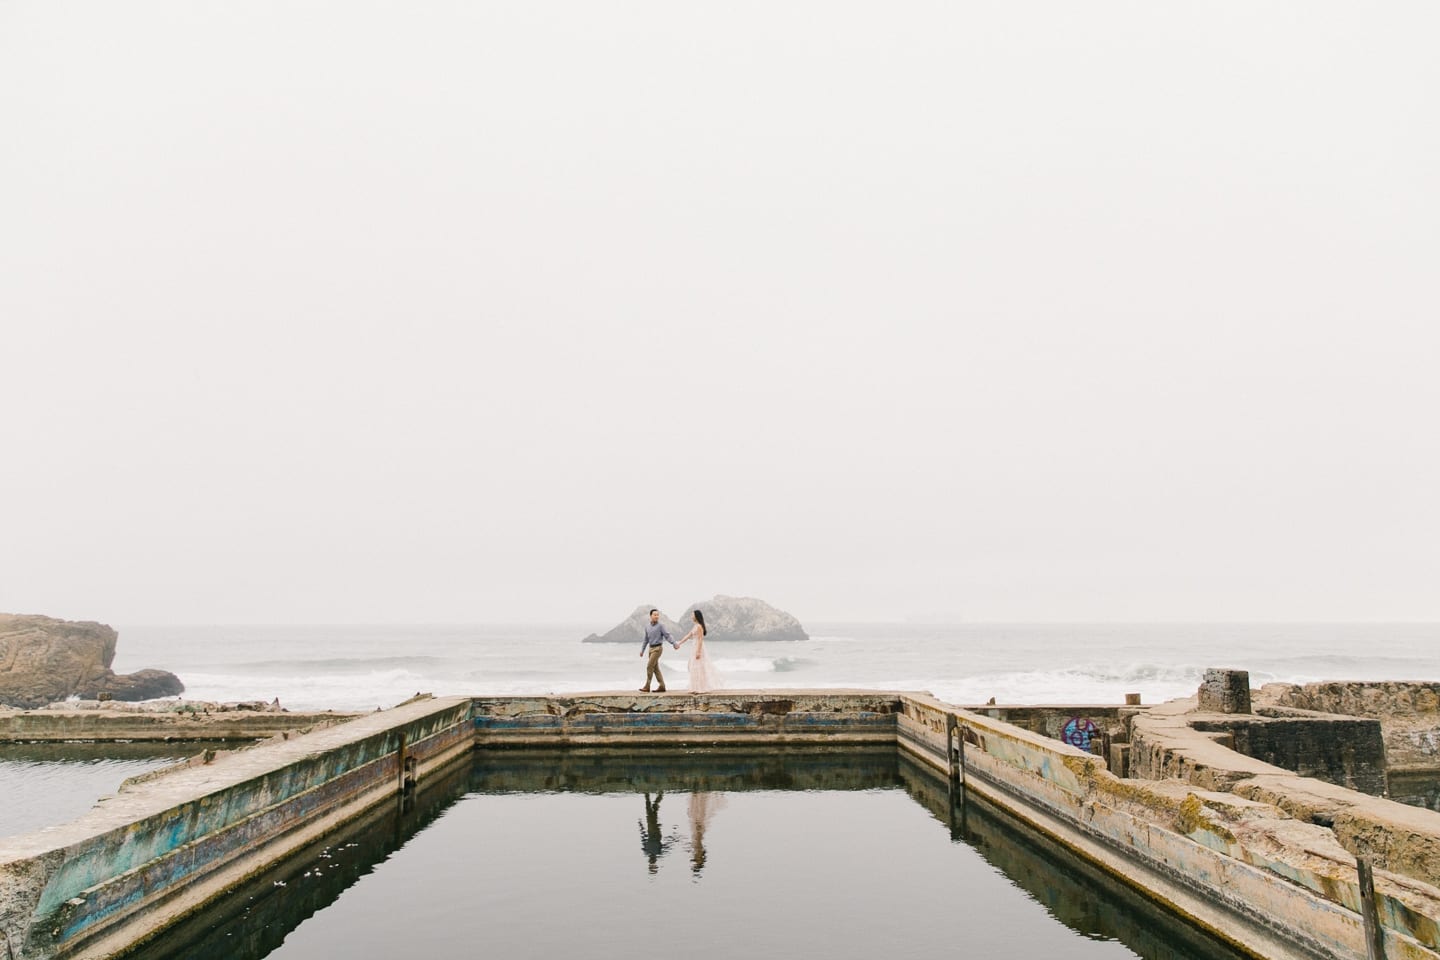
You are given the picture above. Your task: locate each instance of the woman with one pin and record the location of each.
(703, 676)
(703, 805)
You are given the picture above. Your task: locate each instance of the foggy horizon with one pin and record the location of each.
(334, 314)
(807, 624)
(599, 624)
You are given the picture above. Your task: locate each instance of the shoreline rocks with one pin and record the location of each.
(44, 660)
(726, 619)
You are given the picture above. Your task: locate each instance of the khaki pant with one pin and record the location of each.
(652, 666)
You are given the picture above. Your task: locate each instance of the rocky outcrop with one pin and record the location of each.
(141, 685)
(726, 618)
(1402, 700)
(43, 660)
(744, 618)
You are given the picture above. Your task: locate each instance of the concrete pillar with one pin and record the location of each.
(1225, 691)
(1119, 759)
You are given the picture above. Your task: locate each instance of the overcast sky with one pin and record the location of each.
(348, 312)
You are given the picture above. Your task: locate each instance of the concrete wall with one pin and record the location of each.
(254, 918)
(619, 769)
(1101, 729)
(1073, 889)
(165, 845)
(1240, 868)
(745, 718)
(1409, 714)
(1166, 743)
(100, 726)
(1346, 751)
(1073, 723)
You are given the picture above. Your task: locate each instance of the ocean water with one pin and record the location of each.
(364, 667)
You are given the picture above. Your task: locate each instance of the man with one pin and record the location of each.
(656, 636)
(652, 841)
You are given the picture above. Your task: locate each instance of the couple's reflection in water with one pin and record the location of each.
(467, 803)
(701, 806)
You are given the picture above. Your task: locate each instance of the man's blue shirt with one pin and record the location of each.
(656, 634)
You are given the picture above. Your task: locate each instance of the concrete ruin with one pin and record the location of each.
(1263, 828)
(113, 722)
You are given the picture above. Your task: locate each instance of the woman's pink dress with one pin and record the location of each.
(703, 675)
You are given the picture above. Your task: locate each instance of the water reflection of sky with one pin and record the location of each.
(53, 783)
(843, 855)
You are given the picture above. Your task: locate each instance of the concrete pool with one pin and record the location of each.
(1154, 806)
(788, 853)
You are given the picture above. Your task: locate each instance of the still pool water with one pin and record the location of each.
(44, 784)
(701, 855)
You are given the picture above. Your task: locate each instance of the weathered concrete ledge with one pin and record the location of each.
(737, 717)
(1072, 888)
(165, 845)
(116, 725)
(1172, 741)
(1244, 869)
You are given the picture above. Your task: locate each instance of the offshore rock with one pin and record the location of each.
(43, 660)
(726, 618)
(632, 628)
(744, 618)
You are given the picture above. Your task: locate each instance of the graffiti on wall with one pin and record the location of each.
(1079, 731)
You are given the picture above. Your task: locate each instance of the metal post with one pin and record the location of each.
(956, 810)
(1374, 937)
(955, 760)
(953, 755)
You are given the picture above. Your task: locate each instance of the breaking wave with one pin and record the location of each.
(968, 665)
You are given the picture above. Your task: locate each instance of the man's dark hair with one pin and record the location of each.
(653, 610)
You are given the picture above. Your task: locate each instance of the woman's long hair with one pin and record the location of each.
(700, 619)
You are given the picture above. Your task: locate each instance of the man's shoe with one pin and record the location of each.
(647, 689)
(657, 690)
